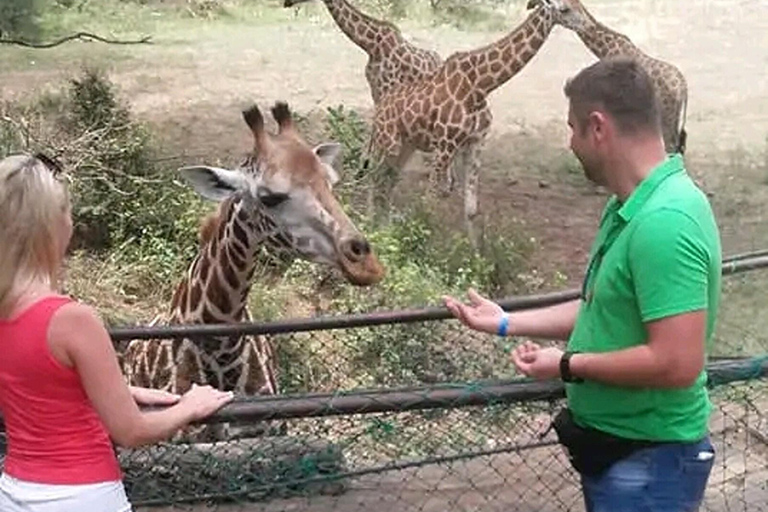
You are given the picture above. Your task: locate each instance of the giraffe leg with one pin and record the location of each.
(384, 176)
(187, 369)
(381, 180)
(258, 378)
(441, 177)
(470, 158)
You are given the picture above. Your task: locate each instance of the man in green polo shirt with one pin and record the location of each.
(636, 423)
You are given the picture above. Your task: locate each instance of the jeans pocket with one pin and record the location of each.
(696, 467)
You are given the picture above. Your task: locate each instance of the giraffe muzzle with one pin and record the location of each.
(359, 263)
(356, 249)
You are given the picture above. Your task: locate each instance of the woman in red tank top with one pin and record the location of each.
(62, 396)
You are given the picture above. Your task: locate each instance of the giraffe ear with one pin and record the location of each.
(213, 183)
(327, 153)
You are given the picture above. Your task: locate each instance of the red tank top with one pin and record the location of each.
(54, 434)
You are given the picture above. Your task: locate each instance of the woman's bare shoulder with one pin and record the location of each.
(75, 321)
(78, 314)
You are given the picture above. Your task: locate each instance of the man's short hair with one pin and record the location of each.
(620, 87)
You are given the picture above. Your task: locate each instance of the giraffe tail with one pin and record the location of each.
(367, 160)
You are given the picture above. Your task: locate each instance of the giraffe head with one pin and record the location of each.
(570, 14)
(286, 190)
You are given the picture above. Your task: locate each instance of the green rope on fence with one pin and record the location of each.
(741, 370)
(473, 387)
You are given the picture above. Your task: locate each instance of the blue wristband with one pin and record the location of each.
(503, 325)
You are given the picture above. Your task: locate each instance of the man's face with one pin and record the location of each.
(583, 145)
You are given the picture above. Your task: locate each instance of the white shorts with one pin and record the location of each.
(22, 496)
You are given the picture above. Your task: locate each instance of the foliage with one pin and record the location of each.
(123, 201)
(122, 197)
(19, 18)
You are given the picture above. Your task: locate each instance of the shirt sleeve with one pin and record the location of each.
(669, 261)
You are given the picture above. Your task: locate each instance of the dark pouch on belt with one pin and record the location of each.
(592, 451)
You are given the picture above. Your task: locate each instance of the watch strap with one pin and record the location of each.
(565, 367)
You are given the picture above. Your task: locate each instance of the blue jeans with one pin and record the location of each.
(665, 478)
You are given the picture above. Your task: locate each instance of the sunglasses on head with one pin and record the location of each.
(52, 164)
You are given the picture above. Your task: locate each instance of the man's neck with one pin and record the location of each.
(635, 159)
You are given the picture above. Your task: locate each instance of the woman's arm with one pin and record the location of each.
(149, 396)
(78, 339)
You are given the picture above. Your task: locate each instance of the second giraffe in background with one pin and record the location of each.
(603, 42)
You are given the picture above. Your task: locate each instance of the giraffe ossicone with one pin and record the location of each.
(278, 205)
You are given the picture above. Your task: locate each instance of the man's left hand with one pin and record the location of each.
(537, 362)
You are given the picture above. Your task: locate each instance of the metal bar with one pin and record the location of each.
(742, 263)
(391, 400)
(444, 396)
(448, 396)
(327, 323)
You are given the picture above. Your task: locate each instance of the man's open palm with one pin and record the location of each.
(480, 314)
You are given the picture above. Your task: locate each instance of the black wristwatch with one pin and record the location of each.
(565, 368)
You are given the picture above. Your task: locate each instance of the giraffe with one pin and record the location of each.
(392, 63)
(669, 81)
(392, 60)
(446, 114)
(277, 205)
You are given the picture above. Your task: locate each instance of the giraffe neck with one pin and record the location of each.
(365, 31)
(242, 243)
(604, 42)
(495, 64)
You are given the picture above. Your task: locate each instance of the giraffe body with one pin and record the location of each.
(447, 114)
(603, 42)
(277, 206)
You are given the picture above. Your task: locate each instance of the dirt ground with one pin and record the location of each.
(539, 480)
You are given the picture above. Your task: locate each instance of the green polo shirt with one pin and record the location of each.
(656, 255)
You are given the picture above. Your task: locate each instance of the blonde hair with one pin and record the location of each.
(32, 202)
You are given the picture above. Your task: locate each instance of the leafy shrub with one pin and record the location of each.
(121, 197)
(124, 203)
(18, 18)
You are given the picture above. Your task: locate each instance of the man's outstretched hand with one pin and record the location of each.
(480, 314)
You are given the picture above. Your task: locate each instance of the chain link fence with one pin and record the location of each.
(411, 411)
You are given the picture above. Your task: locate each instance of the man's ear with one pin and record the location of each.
(597, 124)
(213, 183)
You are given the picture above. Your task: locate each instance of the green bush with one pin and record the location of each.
(124, 203)
(18, 18)
(122, 198)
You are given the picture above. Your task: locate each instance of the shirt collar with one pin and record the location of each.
(671, 165)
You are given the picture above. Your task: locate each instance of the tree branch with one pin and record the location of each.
(79, 35)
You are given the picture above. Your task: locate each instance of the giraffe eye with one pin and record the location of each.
(272, 199)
